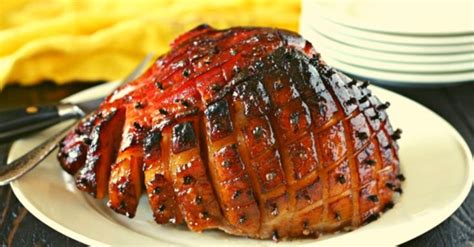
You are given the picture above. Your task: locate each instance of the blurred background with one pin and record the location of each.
(422, 49)
(90, 40)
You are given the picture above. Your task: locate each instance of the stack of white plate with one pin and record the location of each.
(410, 42)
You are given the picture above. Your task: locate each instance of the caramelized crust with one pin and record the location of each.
(192, 185)
(157, 177)
(94, 175)
(126, 177)
(245, 130)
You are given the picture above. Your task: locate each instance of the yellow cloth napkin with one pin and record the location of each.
(86, 40)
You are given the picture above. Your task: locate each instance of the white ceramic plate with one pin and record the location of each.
(448, 68)
(314, 17)
(390, 47)
(397, 77)
(372, 52)
(435, 160)
(380, 63)
(401, 68)
(400, 16)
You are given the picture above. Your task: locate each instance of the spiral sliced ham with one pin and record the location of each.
(245, 130)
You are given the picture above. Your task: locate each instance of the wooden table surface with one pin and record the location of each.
(18, 227)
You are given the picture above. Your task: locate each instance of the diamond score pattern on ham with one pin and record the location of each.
(245, 130)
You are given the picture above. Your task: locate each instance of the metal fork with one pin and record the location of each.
(28, 161)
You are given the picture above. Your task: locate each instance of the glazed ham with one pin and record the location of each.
(245, 130)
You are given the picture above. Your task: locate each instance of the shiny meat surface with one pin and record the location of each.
(246, 130)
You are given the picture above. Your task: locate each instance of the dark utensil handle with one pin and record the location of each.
(15, 123)
(15, 118)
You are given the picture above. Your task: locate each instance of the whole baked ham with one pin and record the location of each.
(245, 130)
